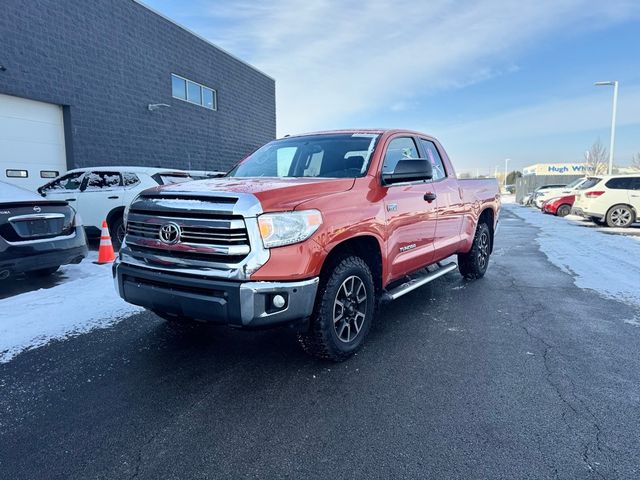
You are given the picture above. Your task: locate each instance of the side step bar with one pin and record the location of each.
(417, 282)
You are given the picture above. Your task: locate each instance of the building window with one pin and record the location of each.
(17, 173)
(193, 92)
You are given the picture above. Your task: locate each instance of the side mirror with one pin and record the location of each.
(409, 170)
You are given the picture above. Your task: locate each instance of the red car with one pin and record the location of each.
(560, 206)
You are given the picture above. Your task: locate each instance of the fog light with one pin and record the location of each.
(278, 301)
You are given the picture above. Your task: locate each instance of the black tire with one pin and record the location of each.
(597, 221)
(620, 216)
(117, 232)
(42, 272)
(343, 284)
(474, 263)
(563, 210)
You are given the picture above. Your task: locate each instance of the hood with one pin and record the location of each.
(275, 194)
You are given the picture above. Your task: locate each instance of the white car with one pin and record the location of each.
(538, 191)
(102, 193)
(613, 199)
(549, 193)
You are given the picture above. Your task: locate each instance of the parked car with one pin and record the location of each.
(559, 206)
(37, 235)
(102, 193)
(532, 197)
(613, 200)
(203, 174)
(548, 193)
(311, 231)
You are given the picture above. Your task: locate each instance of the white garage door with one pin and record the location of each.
(31, 142)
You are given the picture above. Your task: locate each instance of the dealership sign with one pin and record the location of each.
(556, 169)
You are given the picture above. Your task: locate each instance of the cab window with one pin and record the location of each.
(432, 154)
(71, 181)
(399, 148)
(103, 181)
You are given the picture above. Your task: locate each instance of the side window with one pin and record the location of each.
(619, 184)
(102, 180)
(72, 181)
(635, 183)
(434, 157)
(398, 149)
(129, 179)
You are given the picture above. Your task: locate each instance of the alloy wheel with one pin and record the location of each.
(350, 309)
(483, 250)
(621, 216)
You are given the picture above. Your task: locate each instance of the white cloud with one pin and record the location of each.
(334, 60)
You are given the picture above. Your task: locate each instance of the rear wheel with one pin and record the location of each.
(42, 272)
(620, 216)
(474, 263)
(563, 210)
(344, 311)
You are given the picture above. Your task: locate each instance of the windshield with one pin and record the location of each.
(324, 156)
(168, 179)
(575, 182)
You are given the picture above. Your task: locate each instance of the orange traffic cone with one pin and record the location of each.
(105, 252)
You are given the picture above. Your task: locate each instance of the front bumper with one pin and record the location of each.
(17, 257)
(234, 303)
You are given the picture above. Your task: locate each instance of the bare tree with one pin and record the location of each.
(635, 161)
(596, 159)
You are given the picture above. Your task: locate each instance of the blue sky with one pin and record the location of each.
(492, 79)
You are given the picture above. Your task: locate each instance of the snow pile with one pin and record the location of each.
(608, 264)
(84, 300)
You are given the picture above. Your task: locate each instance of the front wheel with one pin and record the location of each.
(344, 311)
(117, 232)
(474, 263)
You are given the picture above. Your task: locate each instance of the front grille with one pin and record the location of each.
(203, 235)
(192, 234)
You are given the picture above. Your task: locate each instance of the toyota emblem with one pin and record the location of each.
(169, 233)
(37, 209)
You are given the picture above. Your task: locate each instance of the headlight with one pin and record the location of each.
(278, 229)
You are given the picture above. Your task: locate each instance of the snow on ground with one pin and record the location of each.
(608, 264)
(84, 300)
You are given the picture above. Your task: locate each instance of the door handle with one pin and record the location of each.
(429, 196)
(70, 200)
(114, 197)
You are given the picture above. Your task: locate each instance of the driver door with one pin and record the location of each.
(66, 188)
(410, 215)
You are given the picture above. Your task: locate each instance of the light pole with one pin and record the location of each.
(613, 83)
(506, 163)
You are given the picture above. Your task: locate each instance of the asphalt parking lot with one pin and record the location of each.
(519, 375)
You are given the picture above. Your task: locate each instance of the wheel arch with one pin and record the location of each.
(114, 213)
(488, 216)
(364, 246)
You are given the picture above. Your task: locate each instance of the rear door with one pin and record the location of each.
(450, 206)
(634, 195)
(410, 219)
(102, 191)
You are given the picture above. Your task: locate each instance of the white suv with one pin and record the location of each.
(102, 193)
(613, 199)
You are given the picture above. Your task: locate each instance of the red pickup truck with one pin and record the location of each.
(312, 231)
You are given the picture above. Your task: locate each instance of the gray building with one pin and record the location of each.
(81, 83)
